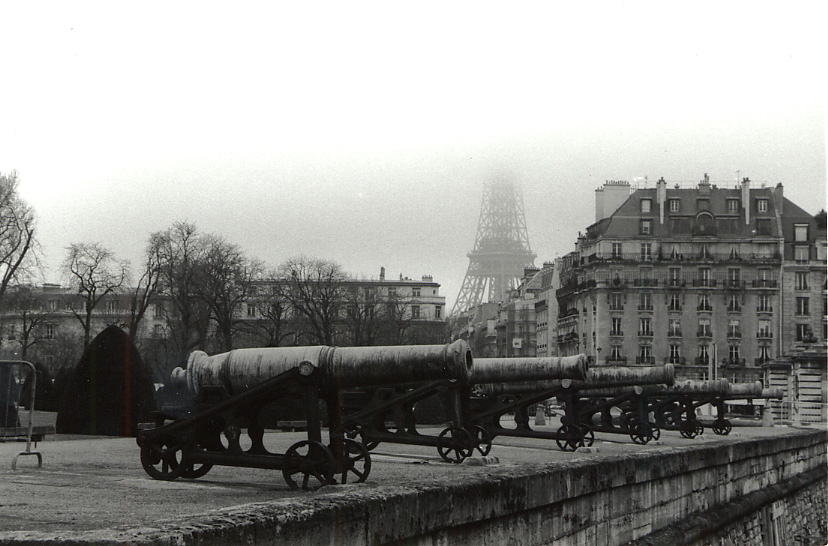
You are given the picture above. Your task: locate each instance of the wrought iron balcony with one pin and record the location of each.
(764, 334)
(673, 333)
(616, 333)
(704, 307)
(645, 333)
(704, 283)
(704, 332)
(644, 360)
(764, 309)
(734, 333)
(764, 283)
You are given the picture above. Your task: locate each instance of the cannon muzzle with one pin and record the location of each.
(339, 367)
(691, 387)
(510, 370)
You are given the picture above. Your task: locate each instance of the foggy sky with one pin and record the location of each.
(364, 133)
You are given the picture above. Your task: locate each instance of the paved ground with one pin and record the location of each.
(97, 483)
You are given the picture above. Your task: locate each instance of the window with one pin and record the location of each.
(392, 292)
(675, 354)
(615, 352)
(49, 331)
(764, 304)
(675, 302)
(733, 276)
(645, 354)
(415, 292)
(734, 329)
(674, 328)
(801, 280)
(158, 311)
(158, 331)
(802, 306)
(762, 205)
(616, 302)
(803, 332)
(438, 311)
(616, 250)
(616, 327)
(645, 301)
(764, 353)
(645, 326)
(12, 331)
(675, 205)
(704, 303)
(646, 205)
(705, 275)
(801, 254)
(801, 233)
(702, 204)
(733, 354)
(704, 355)
(415, 311)
(704, 328)
(112, 307)
(646, 227)
(764, 329)
(675, 276)
(734, 252)
(732, 205)
(734, 304)
(646, 252)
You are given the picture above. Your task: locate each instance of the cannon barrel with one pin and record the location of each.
(596, 378)
(772, 392)
(241, 369)
(508, 370)
(688, 386)
(744, 390)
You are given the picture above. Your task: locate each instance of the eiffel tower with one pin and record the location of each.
(501, 250)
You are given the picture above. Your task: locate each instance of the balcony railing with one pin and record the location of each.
(704, 307)
(645, 307)
(704, 333)
(676, 360)
(645, 282)
(616, 333)
(616, 308)
(674, 308)
(761, 361)
(761, 334)
(645, 333)
(674, 333)
(702, 360)
(764, 283)
(644, 360)
(734, 308)
(734, 333)
(617, 359)
(764, 309)
(704, 283)
(727, 361)
(679, 257)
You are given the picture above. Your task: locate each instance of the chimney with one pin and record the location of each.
(599, 204)
(610, 197)
(778, 198)
(746, 199)
(704, 185)
(661, 197)
(382, 273)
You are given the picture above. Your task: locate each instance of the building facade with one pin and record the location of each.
(703, 277)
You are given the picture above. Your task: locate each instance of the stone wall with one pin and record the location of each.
(716, 493)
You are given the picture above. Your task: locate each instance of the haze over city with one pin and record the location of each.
(364, 133)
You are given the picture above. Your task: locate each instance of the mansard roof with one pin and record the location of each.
(696, 207)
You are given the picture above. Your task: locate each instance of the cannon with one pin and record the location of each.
(496, 399)
(232, 390)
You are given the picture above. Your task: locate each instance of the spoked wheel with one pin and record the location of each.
(482, 440)
(455, 444)
(311, 462)
(637, 434)
(699, 428)
(688, 429)
(364, 437)
(569, 437)
(162, 457)
(588, 435)
(722, 427)
(356, 461)
(655, 432)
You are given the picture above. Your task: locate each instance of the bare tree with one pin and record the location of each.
(17, 234)
(180, 251)
(26, 316)
(225, 281)
(145, 290)
(275, 321)
(314, 289)
(397, 319)
(364, 312)
(94, 273)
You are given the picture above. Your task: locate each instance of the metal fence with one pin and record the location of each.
(13, 375)
(799, 413)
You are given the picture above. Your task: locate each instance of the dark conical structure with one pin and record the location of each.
(111, 390)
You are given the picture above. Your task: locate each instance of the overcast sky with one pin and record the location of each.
(364, 132)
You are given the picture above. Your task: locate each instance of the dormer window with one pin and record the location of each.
(646, 227)
(675, 205)
(733, 205)
(762, 205)
(646, 205)
(702, 204)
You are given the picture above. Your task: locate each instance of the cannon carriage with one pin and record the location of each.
(231, 393)
(577, 428)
